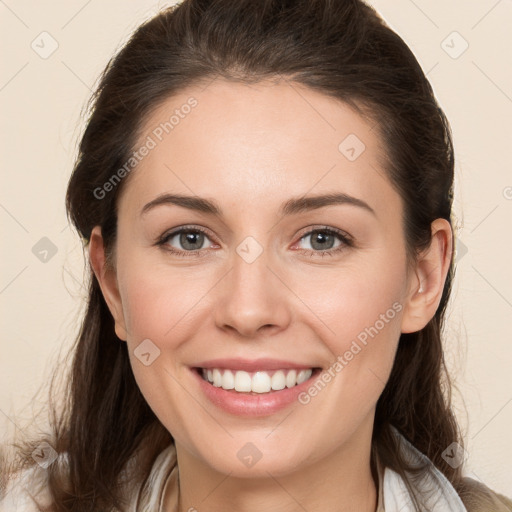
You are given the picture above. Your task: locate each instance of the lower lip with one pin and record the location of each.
(245, 404)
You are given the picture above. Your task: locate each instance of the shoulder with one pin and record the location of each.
(25, 491)
(477, 497)
(471, 495)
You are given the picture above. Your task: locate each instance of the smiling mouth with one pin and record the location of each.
(258, 382)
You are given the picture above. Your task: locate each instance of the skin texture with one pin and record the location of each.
(251, 148)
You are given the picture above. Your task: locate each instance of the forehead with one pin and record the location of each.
(260, 143)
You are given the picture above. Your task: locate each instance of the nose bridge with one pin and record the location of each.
(251, 295)
(251, 265)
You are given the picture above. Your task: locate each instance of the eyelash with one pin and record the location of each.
(345, 239)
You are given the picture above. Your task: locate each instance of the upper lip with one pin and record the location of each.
(253, 365)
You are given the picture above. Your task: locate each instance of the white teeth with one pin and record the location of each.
(278, 380)
(228, 380)
(261, 382)
(257, 382)
(217, 378)
(291, 378)
(303, 375)
(242, 381)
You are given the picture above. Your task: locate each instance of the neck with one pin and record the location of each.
(339, 482)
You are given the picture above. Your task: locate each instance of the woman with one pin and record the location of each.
(222, 365)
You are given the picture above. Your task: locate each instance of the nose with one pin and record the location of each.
(252, 298)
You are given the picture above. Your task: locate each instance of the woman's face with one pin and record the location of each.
(261, 284)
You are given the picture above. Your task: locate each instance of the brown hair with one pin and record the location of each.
(340, 48)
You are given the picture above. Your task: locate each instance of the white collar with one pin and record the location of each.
(434, 490)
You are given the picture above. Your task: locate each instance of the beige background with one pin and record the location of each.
(41, 101)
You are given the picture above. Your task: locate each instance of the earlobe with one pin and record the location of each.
(107, 280)
(429, 276)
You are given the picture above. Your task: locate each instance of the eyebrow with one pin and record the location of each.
(290, 207)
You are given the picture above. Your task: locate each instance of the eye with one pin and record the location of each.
(191, 240)
(322, 241)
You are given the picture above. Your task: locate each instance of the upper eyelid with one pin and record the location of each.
(336, 231)
(173, 232)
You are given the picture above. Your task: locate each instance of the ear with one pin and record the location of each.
(428, 277)
(107, 279)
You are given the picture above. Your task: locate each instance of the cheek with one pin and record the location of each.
(360, 308)
(362, 311)
(158, 302)
(355, 298)
(162, 306)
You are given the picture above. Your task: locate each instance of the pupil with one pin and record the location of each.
(321, 237)
(188, 238)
